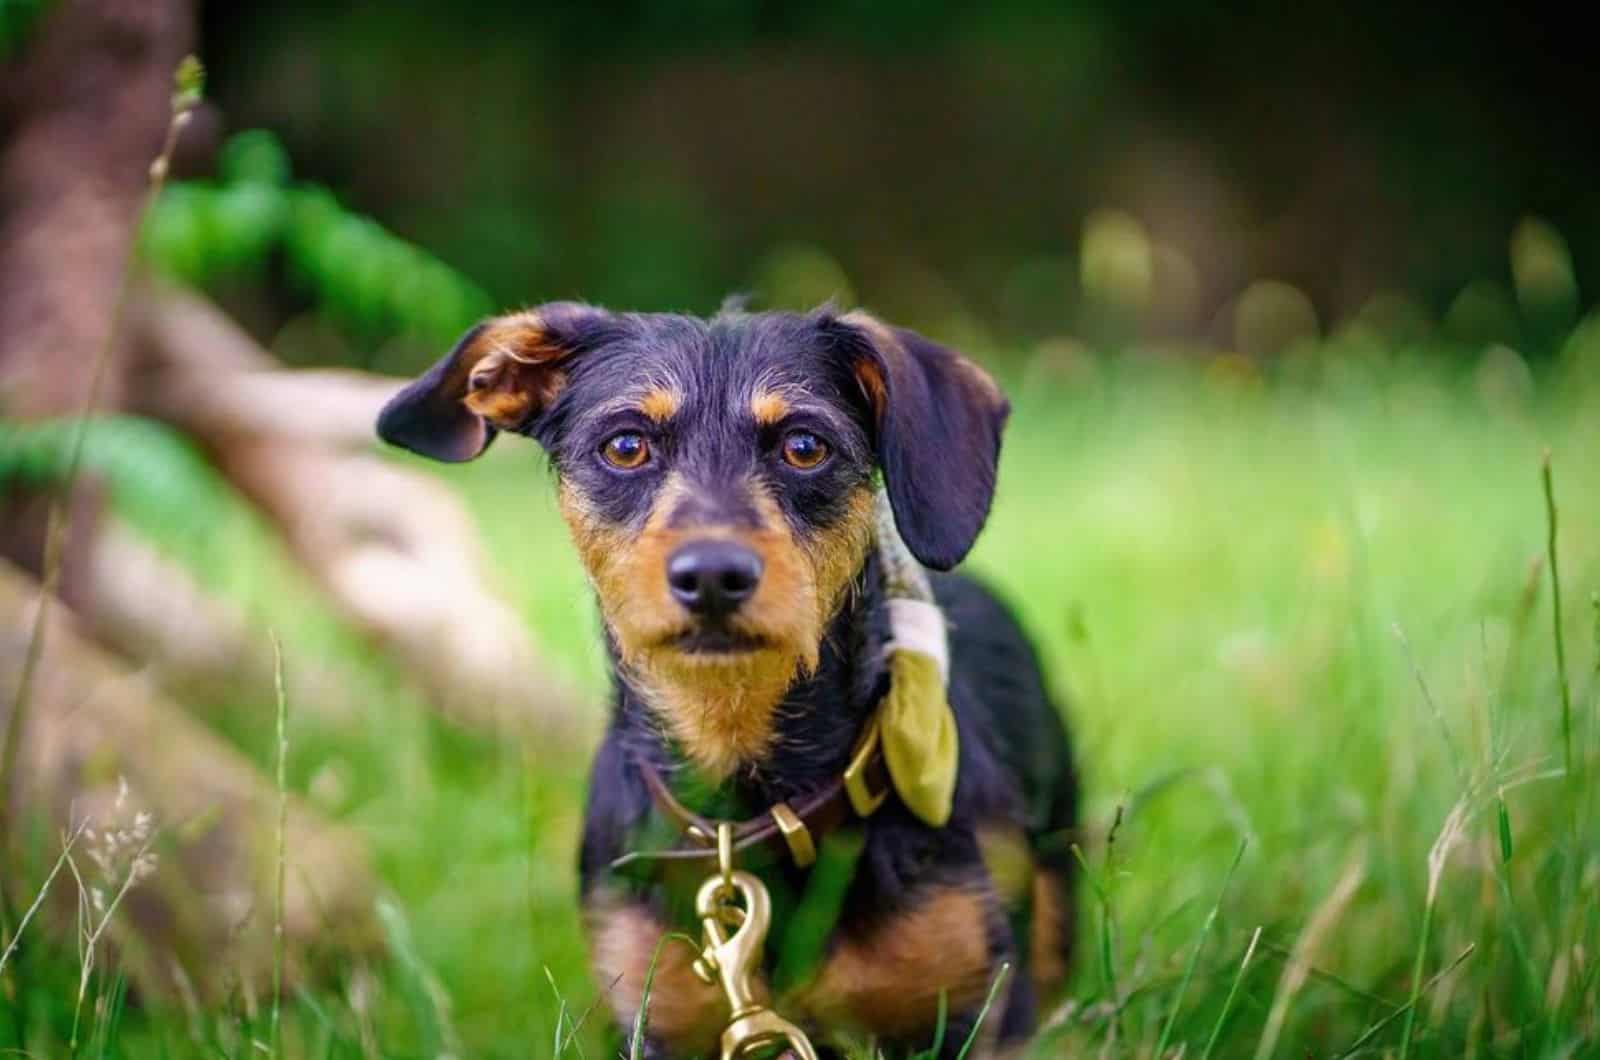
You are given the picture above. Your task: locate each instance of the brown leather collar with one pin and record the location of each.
(784, 832)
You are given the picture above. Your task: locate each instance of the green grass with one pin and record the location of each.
(1313, 619)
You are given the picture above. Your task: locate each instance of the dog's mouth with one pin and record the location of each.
(713, 641)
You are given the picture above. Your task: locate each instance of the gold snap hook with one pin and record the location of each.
(764, 1028)
(734, 958)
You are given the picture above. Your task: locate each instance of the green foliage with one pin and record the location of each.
(188, 84)
(255, 220)
(17, 20)
(153, 471)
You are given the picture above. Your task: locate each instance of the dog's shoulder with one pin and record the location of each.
(618, 801)
(988, 645)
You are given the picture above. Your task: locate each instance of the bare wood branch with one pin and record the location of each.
(199, 369)
(393, 548)
(150, 611)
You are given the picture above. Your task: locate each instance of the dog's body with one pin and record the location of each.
(719, 480)
(922, 912)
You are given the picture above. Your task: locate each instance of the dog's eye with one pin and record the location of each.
(804, 450)
(627, 450)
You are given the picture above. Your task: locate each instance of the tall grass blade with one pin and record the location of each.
(561, 1011)
(1416, 981)
(1504, 820)
(283, 821)
(1555, 615)
(1433, 707)
(1108, 967)
(1449, 833)
(1303, 955)
(636, 1038)
(66, 851)
(1594, 681)
(983, 1013)
(1377, 1028)
(430, 1004)
(564, 1016)
(1194, 955)
(1233, 992)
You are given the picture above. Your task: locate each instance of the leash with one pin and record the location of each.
(908, 746)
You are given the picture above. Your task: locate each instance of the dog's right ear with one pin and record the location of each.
(938, 418)
(500, 376)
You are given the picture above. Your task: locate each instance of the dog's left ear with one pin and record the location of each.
(938, 419)
(499, 377)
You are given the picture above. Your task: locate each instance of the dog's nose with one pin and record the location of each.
(712, 578)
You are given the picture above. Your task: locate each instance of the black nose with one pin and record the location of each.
(712, 578)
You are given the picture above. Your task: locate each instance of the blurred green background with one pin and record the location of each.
(947, 163)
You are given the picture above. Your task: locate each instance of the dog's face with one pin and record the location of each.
(718, 479)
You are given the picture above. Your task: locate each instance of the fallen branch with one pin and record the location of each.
(393, 548)
(209, 906)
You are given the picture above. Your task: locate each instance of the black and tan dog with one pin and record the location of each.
(719, 477)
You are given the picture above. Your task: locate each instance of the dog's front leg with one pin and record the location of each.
(638, 964)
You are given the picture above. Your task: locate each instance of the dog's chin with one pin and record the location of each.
(717, 691)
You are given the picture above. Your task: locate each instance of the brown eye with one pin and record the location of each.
(626, 450)
(804, 450)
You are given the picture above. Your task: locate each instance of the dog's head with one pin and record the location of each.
(718, 479)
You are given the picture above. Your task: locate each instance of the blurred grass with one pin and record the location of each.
(1306, 612)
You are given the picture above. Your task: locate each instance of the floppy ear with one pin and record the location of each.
(499, 377)
(939, 418)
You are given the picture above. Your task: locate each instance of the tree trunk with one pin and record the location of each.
(85, 108)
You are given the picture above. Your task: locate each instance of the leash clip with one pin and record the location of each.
(734, 957)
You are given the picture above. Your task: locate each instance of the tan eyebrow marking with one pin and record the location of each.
(768, 407)
(659, 404)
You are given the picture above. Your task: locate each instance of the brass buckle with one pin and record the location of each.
(795, 834)
(864, 801)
